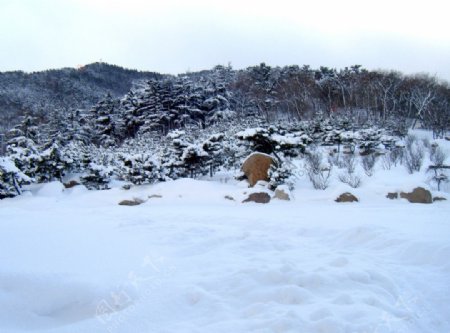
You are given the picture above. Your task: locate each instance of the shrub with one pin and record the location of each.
(368, 163)
(281, 174)
(318, 174)
(350, 179)
(414, 154)
(437, 155)
(348, 176)
(393, 157)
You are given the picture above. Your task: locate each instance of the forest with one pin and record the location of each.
(104, 122)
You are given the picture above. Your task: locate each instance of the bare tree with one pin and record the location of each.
(422, 95)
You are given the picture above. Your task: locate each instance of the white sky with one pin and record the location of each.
(174, 36)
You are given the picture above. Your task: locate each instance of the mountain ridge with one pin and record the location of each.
(66, 88)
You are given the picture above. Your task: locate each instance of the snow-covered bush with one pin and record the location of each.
(214, 147)
(281, 174)
(319, 174)
(439, 177)
(181, 157)
(52, 164)
(98, 166)
(414, 154)
(368, 163)
(25, 155)
(97, 176)
(350, 179)
(437, 155)
(369, 139)
(349, 176)
(11, 179)
(195, 160)
(393, 157)
(171, 152)
(275, 140)
(139, 168)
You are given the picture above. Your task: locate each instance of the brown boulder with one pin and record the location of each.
(346, 197)
(418, 195)
(259, 197)
(256, 167)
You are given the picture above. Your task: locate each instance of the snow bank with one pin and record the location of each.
(52, 189)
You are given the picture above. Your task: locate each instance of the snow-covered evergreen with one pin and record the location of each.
(11, 179)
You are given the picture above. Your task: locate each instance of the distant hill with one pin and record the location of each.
(64, 89)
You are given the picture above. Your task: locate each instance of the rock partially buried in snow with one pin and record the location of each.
(71, 184)
(418, 195)
(258, 197)
(392, 195)
(347, 197)
(256, 167)
(282, 193)
(134, 202)
(439, 199)
(155, 196)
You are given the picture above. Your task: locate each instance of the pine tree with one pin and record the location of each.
(171, 155)
(52, 165)
(195, 160)
(21, 146)
(98, 168)
(103, 122)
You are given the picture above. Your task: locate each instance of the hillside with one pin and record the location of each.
(63, 89)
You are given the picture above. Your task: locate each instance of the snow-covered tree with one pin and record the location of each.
(141, 168)
(52, 164)
(195, 160)
(22, 148)
(103, 123)
(11, 179)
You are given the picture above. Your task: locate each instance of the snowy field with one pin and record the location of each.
(193, 261)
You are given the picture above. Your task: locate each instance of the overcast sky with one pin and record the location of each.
(174, 36)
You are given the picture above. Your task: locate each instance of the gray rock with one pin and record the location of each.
(392, 195)
(134, 202)
(281, 194)
(259, 197)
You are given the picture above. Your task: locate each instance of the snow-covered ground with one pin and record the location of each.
(193, 261)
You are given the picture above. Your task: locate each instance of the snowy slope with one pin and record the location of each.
(192, 261)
